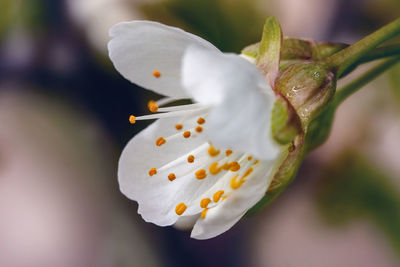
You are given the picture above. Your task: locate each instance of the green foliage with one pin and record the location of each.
(351, 188)
(229, 25)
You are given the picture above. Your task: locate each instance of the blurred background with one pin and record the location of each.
(64, 120)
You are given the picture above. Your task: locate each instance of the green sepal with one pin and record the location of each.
(268, 58)
(285, 124)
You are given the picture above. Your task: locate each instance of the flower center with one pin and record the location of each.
(222, 173)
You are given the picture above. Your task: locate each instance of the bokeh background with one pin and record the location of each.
(64, 120)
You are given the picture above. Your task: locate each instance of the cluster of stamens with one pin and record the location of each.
(238, 169)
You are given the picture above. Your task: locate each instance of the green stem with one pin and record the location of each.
(368, 76)
(378, 53)
(350, 55)
(381, 52)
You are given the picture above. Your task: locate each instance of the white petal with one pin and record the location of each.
(138, 48)
(157, 196)
(223, 216)
(241, 118)
(186, 222)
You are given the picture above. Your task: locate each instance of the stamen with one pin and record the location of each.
(249, 158)
(181, 107)
(190, 159)
(226, 166)
(203, 213)
(179, 127)
(180, 208)
(214, 169)
(235, 184)
(204, 203)
(132, 119)
(165, 100)
(218, 195)
(157, 74)
(201, 120)
(152, 105)
(212, 151)
(160, 141)
(152, 171)
(235, 166)
(228, 152)
(201, 174)
(247, 173)
(199, 129)
(171, 114)
(171, 177)
(186, 134)
(255, 162)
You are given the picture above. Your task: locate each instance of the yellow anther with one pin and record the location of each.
(160, 141)
(225, 197)
(199, 129)
(255, 162)
(201, 120)
(228, 152)
(132, 119)
(213, 168)
(186, 134)
(235, 166)
(249, 158)
(180, 208)
(235, 184)
(152, 171)
(218, 195)
(247, 173)
(212, 151)
(190, 159)
(201, 174)
(153, 107)
(178, 126)
(204, 203)
(157, 73)
(226, 166)
(203, 213)
(171, 177)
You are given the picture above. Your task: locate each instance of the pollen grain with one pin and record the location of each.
(214, 169)
(180, 208)
(212, 151)
(132, 119)
(160, 141)
(153, 107)
(235, 166)
(157, 74)
(152, 171)
(217, 196)
(186, 134)
(201, 174)
(171, 177)
(201, 120)
(190, 158)
(199, 129)
(204, 213)
(204, 203)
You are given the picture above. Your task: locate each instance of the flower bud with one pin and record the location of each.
(299, 50)
(285, 123)
(308, 87)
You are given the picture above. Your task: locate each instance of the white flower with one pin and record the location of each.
(211, 160)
